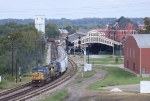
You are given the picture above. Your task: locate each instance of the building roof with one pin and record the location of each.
(83, 31)
(63, 31)
(122, 22)
(143, 40)
(74, 36)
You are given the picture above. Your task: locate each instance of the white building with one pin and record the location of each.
(40, 23)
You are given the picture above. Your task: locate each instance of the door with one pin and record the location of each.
(143, 70)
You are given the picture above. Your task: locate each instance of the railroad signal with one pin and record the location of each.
(79, 42)
(67, 44)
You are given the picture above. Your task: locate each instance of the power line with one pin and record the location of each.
(85, 13)
(87, 8)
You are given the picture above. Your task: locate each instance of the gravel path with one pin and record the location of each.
(78, 90)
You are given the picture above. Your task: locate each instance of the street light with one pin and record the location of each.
(84, 50)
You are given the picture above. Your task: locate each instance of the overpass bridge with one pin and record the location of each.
(95, 36)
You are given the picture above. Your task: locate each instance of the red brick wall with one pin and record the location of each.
(145, 59)
(63, 35)
(131, 44)
(128, 28)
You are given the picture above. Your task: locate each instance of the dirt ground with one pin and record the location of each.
(78, 91)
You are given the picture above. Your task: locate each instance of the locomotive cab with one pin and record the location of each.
(39, 75)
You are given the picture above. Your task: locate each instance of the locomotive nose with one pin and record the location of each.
(37, 75)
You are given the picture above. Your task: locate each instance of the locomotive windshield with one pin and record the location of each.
(37, 70)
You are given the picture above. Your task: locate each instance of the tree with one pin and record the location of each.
(147, 26)
(52, 31)
(23, 37)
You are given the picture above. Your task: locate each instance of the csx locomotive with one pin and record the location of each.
(44, 74)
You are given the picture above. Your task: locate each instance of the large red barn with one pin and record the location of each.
(137, 54)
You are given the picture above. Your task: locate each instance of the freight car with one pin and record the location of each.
(44, 74)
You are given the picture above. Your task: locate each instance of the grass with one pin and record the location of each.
(59, 96)
(87, 74)
(6, 84)
(116, 76)
(108, 60)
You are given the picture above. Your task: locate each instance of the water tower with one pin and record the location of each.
(40, 23)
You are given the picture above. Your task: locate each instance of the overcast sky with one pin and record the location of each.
(74, 9)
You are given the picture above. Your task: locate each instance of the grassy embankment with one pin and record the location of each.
(108, 60)
(115, 76)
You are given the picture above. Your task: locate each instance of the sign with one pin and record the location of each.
(19, 70)
(144, 86)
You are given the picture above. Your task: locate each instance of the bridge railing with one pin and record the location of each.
(95, 39)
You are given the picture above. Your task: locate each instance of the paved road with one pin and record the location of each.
(98, 56)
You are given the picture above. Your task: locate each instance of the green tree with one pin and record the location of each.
(52, 31)
(147, 26)
(24, 37)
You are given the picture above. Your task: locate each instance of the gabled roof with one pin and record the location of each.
(83, 31)
(75, 36)
(63, 31)
(143, 40)
(122, 22)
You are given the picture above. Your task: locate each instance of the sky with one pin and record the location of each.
(74, 9)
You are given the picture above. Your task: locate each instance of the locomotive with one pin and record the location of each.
(44, 74)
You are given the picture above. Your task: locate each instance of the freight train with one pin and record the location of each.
(44, 74)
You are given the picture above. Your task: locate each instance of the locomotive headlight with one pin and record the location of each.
(39, 81)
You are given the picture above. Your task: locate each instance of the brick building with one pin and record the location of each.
(121, 29)
(63, 33)
(137, 54)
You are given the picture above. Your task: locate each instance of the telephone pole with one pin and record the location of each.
(39, 56)
(13, 46)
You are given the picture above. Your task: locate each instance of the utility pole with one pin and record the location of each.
(16, 69)
(36, 54)
(12, 57)
(13, 46)
(41, 49)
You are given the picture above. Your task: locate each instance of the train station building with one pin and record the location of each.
(118, 31)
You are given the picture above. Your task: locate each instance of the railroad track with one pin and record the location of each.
(54, 54)
(26, 91)
(29, 92)
(14, 89)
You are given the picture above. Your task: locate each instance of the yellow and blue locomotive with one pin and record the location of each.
(44, 74)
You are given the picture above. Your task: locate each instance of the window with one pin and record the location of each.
(130, 52)
(123, 32)
(36, 18)
(133, 53)
(133, 66)
(133, 32)
(41, 18)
